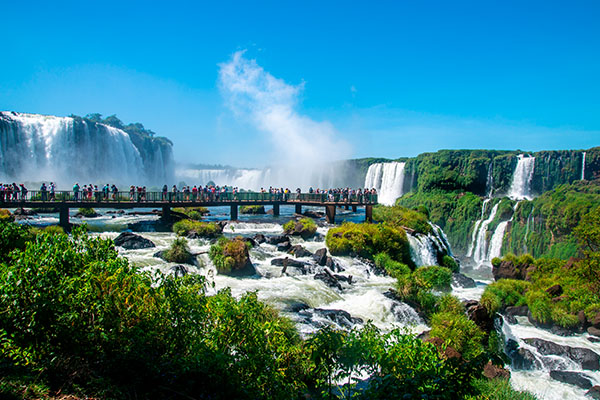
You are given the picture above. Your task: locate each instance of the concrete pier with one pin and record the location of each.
(298, 208)
(275, 210)
(233, 215)
(369, 213)
(63, 215)
(330, 214)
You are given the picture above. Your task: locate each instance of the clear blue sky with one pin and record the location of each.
(390, 79)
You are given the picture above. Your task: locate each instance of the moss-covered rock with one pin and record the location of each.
(195, 229)
(179, 252)
(232, 257)
(304, 227)
(253, 210)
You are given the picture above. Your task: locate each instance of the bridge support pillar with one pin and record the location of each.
(166, 214)
(275, 210)
(353, 208)
(369, 213)
(233, 215)
(330, 214)
(63, 218)
(298, 208)
(347, 207)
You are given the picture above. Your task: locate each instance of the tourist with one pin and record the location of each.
(52, 191)
(165, 191)
(76, 192)
(44, 191)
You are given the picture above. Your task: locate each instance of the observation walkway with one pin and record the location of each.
(65, 200)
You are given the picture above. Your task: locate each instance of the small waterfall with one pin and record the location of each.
(481, 244)
(489, 183)
(387, 179)
(476, 228)
(520, 187)
(496, 242)
(583, 166)
(528, 228)
(422, 250)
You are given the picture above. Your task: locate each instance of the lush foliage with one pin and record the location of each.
(416, 287)
(497, 389)
(367, 240)
(304, 227)
(229, 254)
(5, 215)
(87, 212)
(393, 268)
(179, 252)
(252, 210)
(194, 213)
(200, 228)
(402, 217)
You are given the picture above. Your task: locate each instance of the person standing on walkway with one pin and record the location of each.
(76, 191)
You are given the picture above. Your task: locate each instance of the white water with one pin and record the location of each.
(583, 166)
(475, 233)
(46, 148)
(387, 179)
(520, 188)
(496, 242)
(481, 245)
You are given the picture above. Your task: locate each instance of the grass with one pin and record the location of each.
(204, 229)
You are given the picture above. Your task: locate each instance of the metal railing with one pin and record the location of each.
(47, 197)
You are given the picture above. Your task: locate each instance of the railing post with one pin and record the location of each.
(330, 214)
(275, 210)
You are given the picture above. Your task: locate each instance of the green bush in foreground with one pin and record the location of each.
(179, 252)
(203, 229)
(497, 389)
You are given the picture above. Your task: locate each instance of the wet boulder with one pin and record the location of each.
(303, 266)
(511, 312)
(340, 317)
(329, 279)
(179, 270)
(554, 291)
(299, 251)
(522, 358)
(594, 392)
(275, 240)
(463, 281)
(593, 331)
(320, 256)
(332, 265)
(587, 358)
(284, 246)
(572, 378)
(492, 371)
(313, 214)
(482, 318)
(507, 270)
(260, 238)
(131, 241)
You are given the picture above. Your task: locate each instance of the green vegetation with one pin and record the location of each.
(179, 252)
(504, 293)
(367, 240)
(230, 254)
(403, 217)
(393, 268)
(497, 389)
(5, 215)
(87, 212)
(304, 227)
(187, 227)
(194, 213)
(252, 210)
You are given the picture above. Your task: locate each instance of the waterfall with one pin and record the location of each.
(387, 179)
(520, 187)
(476, 228)
(496, 242)
(489, 183)
(583, 166)
(422, 250)
(528, 228)
(39, 148)
(481, 245)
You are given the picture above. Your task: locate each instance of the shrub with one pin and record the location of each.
(497, 389)
(229, 254)
(305, 227)
(402, 217)
(87, 212)
(450, 263)
(435, 277)
(459, 332)
(503, 293)
(252, 210)
(393, 268)
(179, 252)
(204, 229)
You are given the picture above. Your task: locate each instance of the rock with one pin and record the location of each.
(329, 279)
(522, 358)
(340, 317)
(297, 307)
(131, 241)
(161, 254)
(320, 256)
(594, 392)
(313, 214)
(587, 358)
(332, 265)
(344, 278)
(462, 280)
(259, 238)
(24, 212)
(511, 312)
(492, 371)
(596, 321)
(299, 251)
(506, 270)
(447, 351)
(529, 272)
(593, 331)
(278, 239)
(285, 246)
(554, 291)
(179, 270)
(478, 314)
(291, 263)
(90, 215)
(572, 378)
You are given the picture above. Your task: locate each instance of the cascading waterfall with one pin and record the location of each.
(520, 188)
(387, 179)
(528, 228)
(498, 236)
(475, 233)
(481, 245)
(583, 166)
(64, 150)
(489, 183)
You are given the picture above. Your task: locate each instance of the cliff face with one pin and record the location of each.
(67, 149)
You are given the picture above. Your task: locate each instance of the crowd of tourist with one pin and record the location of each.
(207, 193)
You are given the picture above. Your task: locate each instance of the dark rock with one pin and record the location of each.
(297, 307)
(344, 278)
(120, 212)
(24, 212)
(492, 371)
(131, 241)
(161, 254)
(506, 270)
(587, 358)
(332, 265)
(179, 270)
(90, 215)
(593, 331)
(259, 238)
(340, 317)
(554, 291)
(285, 246)
(447, 351)
(478, 314)
(593, 339)
(572, 378)
(462, 280)
(594, 392)
(299, 251)
(313, 214)
(329, 279)
(292, 263)
(424, 335)
(511, 312)
(320, 256)
(596, 321)
(522, 358)
(278, 239)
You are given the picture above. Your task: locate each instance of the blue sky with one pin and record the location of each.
(385, 79)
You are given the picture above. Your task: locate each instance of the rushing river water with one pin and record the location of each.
(312, 304)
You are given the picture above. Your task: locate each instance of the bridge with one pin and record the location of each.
(65, 200)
